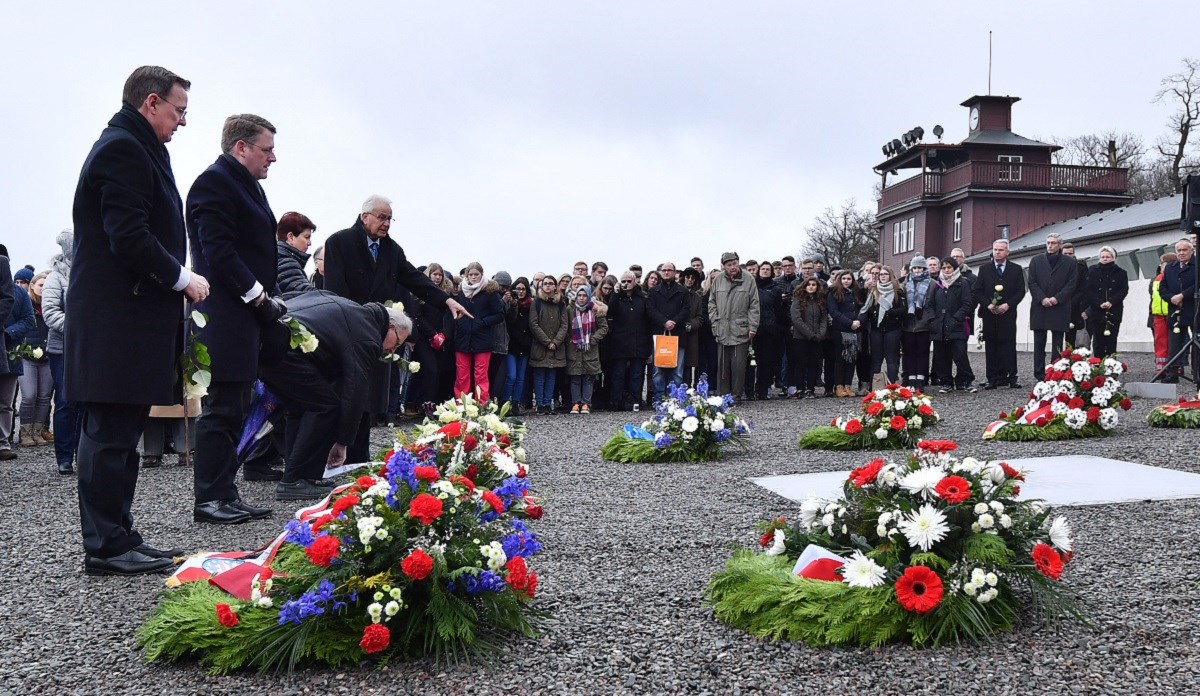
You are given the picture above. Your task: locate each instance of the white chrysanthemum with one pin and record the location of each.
(1067, 387)
(977, 576)
(915, 422)
(861, 571)
(1075, 419)
(1058, 408)
(996, 506)
(899, 405)
(716, 401)
(679, 414)
(1062, 364)
(808, 511)
(1081, 371)
(391, 608)
(777, 546)
(1060, 533)
(881, 434)
(827, 519)
(923, 481)
(881, 394)
(980, 508)
(885, 517)
(991, 579)
(926, 527)
(1005, 521)
(1043, 389)
(986, 521)
(1108, 418)
(690, 424)
(987, 595)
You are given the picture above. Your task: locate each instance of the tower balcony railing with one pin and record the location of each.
(1006, 175)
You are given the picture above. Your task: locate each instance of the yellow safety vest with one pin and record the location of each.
(1158, 306)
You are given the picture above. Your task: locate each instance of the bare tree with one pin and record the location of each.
(1183, 90)
(1150, 180)
(1107, 149)
(845, 235)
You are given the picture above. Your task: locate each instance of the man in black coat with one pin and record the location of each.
(1078, 303)
(326, 391)
(1178, 287)
(668, 306)
(232, 230)
(7, 299)
(999, 288)
(628, 342)
(125, 310)
(364, 264)
(1051, 287)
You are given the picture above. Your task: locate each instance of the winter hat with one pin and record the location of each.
(503, 278)
(692, 273)
(24, 274)
(66, 241)
(818, 257)
(917, 260)
(729, 256)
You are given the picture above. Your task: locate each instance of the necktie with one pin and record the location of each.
(999, 269)
(374, 246)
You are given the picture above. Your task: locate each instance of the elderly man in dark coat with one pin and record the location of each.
(1052, 288)
(232, 230)
(125, 311)
(326, 391)
(628, 343)
(999, 288)
(1178, 288)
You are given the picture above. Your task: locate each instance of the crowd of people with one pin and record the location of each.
(122, 291)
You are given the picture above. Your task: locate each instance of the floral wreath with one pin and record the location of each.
(890, 418)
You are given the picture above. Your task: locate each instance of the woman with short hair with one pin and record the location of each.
(1104, 302)
(293, 237)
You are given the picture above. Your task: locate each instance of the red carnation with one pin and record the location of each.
(452, 429)
(1047, 561)
(343, 504)
(898, 422)
(365, 482)
(375, 638)
(937, 446)
(504, 440)
(905, 393)
(226, 616)
(464, 482)
(953, 489)
(1093, 414)
(1093, 360)
(866, 474)
(1075, 402)
(531, 584)
(925, 410)
(853, 426)
(426, 473)
(518, 573)
(425, 508)
(1062, 398)
(1126, 404)
(417, 565)
(766, 538)
(323, 550)
(919, 589)
(470, 442)
(1011, 472)
(493, 501)
(874, 408)
(471, 472)
(533, 512)
(1018, 412)
(321, 522)
(1099, 381)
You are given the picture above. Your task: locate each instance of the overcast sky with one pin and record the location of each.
(527, 135)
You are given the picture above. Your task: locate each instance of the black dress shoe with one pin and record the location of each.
(219, 512)
(256, 513)
(7, 455)
(65, 468)
(1015, 385)
(300, 490)
(132, 562)
(261, 474)
(159, 553)
(988, 386)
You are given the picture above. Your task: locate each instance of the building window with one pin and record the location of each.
(912, 233)
(896, 249)
(1010, 169)
(958, 225)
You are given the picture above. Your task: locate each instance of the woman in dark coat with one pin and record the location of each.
(1104, 302)
(293, 237)
(883, 311)
(810, 324)
(474, 333)
(520, 339)
(951, 303)
(432, 320)
(768, 342)
(843, 319)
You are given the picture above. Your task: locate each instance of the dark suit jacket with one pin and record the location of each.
(1001, 327)
(1057, 281)
(232, 230)
(7, 302)
(352, 273)
(129, 247)
(1177, 279)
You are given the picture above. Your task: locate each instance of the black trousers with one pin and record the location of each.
(1039, 350)
(1177, 341)
(313, 408)
(625, 387)
(886, 345)
(108, 471)
(218, 430)
(1000, 359)
(948, 355)
(768, 346)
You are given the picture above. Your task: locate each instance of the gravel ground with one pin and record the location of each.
(629, 551)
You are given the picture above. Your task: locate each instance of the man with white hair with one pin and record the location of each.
(364, 264)
(325, 392)
(1052, 279)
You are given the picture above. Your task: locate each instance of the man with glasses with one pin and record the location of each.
(125, 309)
(1178, 288)
(668, 306)
(1051, 287)
(364, 264)
(232, 233)
(628, 343)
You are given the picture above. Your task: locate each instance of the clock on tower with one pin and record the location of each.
(974, 119)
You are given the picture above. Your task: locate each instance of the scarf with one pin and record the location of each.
(470, 291)
(917, 286)
(582, 324)
(947, 282)
(886, 293)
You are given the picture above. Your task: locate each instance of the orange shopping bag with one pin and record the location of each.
(666, 351)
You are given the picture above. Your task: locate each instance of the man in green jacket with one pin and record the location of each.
(733, 312)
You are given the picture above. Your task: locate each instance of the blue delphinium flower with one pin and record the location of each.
(728, 400)
(663, 440)
(721, 435)
(298, 533)
(491, 582)
(690, 410)
(702, 386)
(470, 583)
(400, 468)
(311, 603)
(513, 488)
(486, 513)
(521, 542)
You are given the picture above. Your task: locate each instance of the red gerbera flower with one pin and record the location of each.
(452, 429)
(365, 482)
(1047, 561)
(321, 522)
(937, 446)
(425, 508)
(854, 426)
(375, 638)
(417, 565)
(865, 474)
(1075, 402)
(953, 489)
(343, 504)
(919, 589)
(925, 410)
(874, 408)
(226, 616)
(898, 422)
(1093, 360)
(493, 501)
(426, 473)
(905, 393)
(323, 550)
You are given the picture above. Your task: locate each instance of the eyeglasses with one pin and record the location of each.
(181, 110)
(382, 218)
(268, 150)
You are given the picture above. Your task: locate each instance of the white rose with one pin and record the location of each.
(414, 367)
(716, 401)
(309, 344)
(881, 434)
(37, 353)
(679, 414)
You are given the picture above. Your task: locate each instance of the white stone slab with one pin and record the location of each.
(1151, 390)
(1073, 480)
